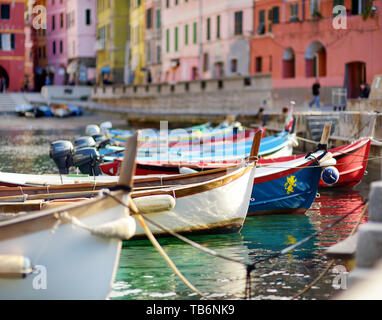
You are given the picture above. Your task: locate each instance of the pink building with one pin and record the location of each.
(81, 38)
(206, 39)
(12, 45)
(56, 41)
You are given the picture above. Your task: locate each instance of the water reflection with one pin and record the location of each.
(27, 151)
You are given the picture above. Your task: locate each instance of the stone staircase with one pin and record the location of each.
(8, 101)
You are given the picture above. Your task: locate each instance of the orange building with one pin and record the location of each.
(298, 41)
(12, 44)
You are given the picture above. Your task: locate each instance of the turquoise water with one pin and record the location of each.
(143, 274)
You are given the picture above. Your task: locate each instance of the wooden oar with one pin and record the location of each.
(256, 145)
(128, 164)
(325, 134)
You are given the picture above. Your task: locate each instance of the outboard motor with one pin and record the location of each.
(88, 161)
(92, 129)
(62, 154)
(84, 142)
(106, 126)
(101, 140)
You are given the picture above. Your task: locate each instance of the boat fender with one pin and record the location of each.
(329, 162)
(185, 170)
(14, 266)
(330, 175)
(121, 229)
(152, 204)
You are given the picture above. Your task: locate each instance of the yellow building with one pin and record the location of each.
(112, 39)
(137, 44)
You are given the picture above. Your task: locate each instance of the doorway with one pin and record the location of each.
(355, 75)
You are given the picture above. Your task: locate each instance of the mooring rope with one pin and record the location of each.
(249, 267)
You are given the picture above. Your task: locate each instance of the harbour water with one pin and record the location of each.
(142, 272)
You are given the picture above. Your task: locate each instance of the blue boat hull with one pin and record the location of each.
(290, 193)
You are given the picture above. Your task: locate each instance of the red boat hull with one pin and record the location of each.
(351, 164)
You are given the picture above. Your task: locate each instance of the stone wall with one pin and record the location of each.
(236, 95)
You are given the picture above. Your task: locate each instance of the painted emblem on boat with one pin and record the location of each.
(290, 184)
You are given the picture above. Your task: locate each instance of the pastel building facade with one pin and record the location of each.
(57, 41)
(12, 43)
(137, 41)
(300, 41)
(81, 40)
(31, 62)
(41, 71)
(153, 40)
(112, 40)
(206, 39)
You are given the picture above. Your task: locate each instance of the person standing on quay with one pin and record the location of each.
(316, 93)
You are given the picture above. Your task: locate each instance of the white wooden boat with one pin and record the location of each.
(216, 206)
(67, 253)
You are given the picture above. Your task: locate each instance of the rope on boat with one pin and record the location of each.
(331, 262)
(163, 253)
(249, 267)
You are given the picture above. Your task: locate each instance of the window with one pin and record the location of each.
(208, 29)
(61, 46)
(195, 40)
(5, 11)
(186, 35)
(167, 3)
(258, 64)
(261, 27)
(149, 18)
(313, 6)
(234, 65)
(293, 12)
(168, 40)
(158, 19)
(148, 51)
(205, 62)
(53, 22)
(275, 15)
(176, 38)
(54, 48)
(7, 41)
(88, 17)
(176, 2)
(218, 27)
(238, 22)
(61, 20)
(158, 54)
(270, 64)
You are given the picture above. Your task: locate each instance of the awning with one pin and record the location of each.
(105, 70)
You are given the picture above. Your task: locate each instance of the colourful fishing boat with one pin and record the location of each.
(279, 145)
